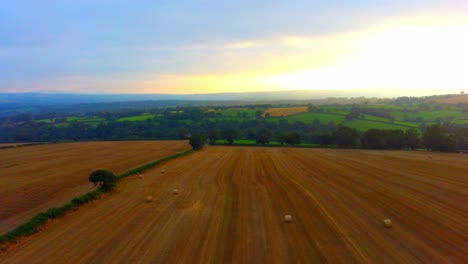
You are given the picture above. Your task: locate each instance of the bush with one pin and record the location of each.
(197, 141)
(104, 178)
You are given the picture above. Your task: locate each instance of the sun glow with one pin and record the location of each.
(404, 57)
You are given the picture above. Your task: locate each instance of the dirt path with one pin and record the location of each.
(35, 178)
(233, 200)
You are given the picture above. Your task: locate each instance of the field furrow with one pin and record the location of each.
(35, 178)
(232, 202)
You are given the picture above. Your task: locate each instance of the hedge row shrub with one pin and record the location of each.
(38, 221)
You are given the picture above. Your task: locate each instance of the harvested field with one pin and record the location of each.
(35, 178)
(286, 111)
(453, 100)
(232, 210)
(4, 145)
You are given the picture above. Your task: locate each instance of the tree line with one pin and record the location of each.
(192, 121)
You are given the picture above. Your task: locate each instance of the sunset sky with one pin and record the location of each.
(185, 47)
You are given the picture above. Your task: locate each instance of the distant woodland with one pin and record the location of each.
(436, 123)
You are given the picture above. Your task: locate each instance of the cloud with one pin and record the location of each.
(192, 47)
(245, 44)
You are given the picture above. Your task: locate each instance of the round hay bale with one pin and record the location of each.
(149, 199)
(430, 156)
(163, 171)
(140, 176)
(288, 218)
(387, 223)
(175, 191)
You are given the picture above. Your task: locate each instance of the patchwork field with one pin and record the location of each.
(2, 145)
(35, 178)
(232, 202)
(454, 100)
(286, 111)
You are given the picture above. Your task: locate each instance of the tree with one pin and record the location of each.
(230, 135)
(325, 139)
(345, 136)
(104, 179)
(293, 138)
(197, 141)
(394, 138)
(412, 138)
(213, 134)
(263, 136)
(262, 139)
(461, 136)
(282, 138)
(259, 113)
(437, 137)
(373, 139)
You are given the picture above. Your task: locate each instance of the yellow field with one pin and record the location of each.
(233, 200)
(285, 111)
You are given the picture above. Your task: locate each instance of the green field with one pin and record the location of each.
(364, 125)
(308, 118)
(232, 112)
(89, 120)
(325, 114)
(142, 117)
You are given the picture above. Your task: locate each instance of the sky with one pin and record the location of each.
(390, 47)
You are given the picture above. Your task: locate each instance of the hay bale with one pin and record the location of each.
(430, 156)
(288, 218)
(175, 191)
(163, 171)
(387, 223)
(149, 199)
(140, 176)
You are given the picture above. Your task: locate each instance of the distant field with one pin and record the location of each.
(232, 204)
(364, 125)
(454, 100)
(35, 178)
(12, 144)
(308, 118)
(137, 118)
(285, 111)
(237, 112)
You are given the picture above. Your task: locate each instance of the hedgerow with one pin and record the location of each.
(37, 222)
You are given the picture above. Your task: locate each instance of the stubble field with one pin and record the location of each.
(285, 111)
(232, 201)
(35, 178)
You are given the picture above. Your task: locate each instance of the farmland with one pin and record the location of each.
(35, 178)
(285, 111)
(233, 200)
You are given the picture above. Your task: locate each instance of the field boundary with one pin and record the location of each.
(38, 222)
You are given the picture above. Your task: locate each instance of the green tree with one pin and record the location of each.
(461, 136)
(282, 138)
(213, 134)
(437, 137)
(394, 138)
(105, 179)
(412, 138)
(345, 136)
(293, 138)
(373, 139)
(230, 135)
(325, 139)
(263, 136)
(197, 141)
